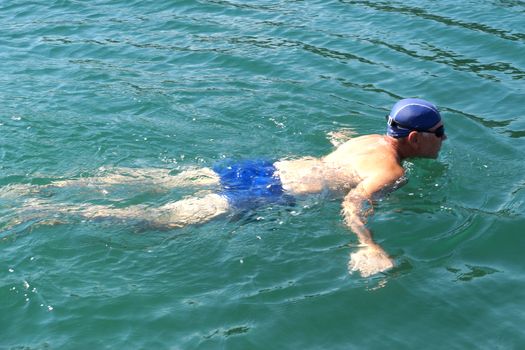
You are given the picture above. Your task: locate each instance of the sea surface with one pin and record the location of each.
(87, 86)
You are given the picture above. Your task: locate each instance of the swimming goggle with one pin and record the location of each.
(439, 132)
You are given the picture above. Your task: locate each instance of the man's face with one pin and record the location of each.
(431, 144)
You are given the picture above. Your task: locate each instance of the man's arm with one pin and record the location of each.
(370, 258)
(337, 138)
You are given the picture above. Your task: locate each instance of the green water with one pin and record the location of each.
(173, 84)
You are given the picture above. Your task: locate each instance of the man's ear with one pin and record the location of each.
(414, 139)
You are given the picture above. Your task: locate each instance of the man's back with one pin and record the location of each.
(341, 170)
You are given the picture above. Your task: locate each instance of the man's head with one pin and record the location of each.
(419, 124)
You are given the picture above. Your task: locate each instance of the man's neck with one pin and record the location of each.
(401, 147)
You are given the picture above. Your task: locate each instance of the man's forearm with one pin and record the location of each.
(355, 218)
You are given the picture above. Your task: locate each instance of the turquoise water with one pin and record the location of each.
(174, 84)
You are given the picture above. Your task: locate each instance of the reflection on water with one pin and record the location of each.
(471, 273)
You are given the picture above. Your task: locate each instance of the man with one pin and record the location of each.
(357, 171)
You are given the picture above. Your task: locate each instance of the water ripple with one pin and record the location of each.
(455, 60)
(449, 22)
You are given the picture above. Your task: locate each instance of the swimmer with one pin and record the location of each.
(357, 171)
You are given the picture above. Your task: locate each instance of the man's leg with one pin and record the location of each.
(160, 179)
(155, 177)
(193, 210)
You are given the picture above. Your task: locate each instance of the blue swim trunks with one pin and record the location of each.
(249, 184)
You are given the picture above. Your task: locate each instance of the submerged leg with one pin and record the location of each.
(160, 179)
(193, 210)
(156, 177)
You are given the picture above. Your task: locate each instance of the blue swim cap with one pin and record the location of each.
(411, 114)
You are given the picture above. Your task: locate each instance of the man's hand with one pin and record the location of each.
(370, 260)
(337, 138)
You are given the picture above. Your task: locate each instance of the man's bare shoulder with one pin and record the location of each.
(370, 155)
(364, 138)
(363, 147)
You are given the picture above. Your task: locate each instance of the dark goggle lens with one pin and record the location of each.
(439, 132)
